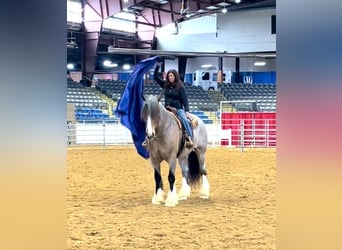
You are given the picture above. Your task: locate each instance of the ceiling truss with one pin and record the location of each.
(90, 38)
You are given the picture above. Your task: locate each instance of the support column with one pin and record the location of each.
(162, 67)
(220, 72)
(89, 56)
(182, 67)
(237, 70)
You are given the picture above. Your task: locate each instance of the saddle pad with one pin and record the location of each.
(193, 121)
(177, 120)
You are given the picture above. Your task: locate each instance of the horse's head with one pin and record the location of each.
(150, 113)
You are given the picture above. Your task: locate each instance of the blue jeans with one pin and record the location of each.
(182, 116)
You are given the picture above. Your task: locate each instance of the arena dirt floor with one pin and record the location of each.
(109, 206)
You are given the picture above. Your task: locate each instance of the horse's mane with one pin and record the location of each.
(151, 107)
(158, 113)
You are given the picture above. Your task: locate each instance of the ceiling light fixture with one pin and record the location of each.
(126, 67)
(259, 63)
(224, 5)
(70, 66)
(211, 7)
(109, 64)
(206, 65)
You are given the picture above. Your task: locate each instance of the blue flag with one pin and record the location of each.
(131, 103)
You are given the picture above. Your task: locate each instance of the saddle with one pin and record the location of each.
(192, 120)
(193, 124)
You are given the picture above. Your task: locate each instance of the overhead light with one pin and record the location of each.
(223, 4)
(160, 1)
(224, 10)
(70, 66)
(126, 67)
(206, 66)
(109, 64)
(259, 63)
(211, 7)
(237, 1)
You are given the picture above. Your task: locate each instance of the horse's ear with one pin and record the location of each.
(160, 95)
(142, 96)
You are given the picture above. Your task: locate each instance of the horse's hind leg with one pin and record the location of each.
(204, 192)
(205, 187)
(184, 192)
(158, 197)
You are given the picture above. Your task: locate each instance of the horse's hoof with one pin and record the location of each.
(182, 198)
(183, 195)
(157, 201)
(158, 198)
(170, 204)
(171, 200)
(184, 192)
(202, 196)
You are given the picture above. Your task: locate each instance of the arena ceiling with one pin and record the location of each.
(87, 44)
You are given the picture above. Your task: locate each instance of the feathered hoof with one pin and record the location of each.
(204, 193)
(184, 193)
(182, 197)
(170, 204)
(171, 200)
(205, 197)
(158, 198)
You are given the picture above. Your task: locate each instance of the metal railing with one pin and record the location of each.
(245, 133)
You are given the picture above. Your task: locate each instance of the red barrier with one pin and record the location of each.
(250, 128)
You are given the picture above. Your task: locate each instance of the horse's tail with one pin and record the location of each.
(194, 169)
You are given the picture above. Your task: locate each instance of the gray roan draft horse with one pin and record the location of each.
(165, 142)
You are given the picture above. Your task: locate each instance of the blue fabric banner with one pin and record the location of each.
(131, 102)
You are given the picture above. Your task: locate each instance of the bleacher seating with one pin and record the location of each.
(111, 88)
(263, 94)
(203, 116)
(197, 96)
(199, 99)
(90, 114)
(84, 96)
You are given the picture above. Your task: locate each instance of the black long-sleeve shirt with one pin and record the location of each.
(174, 97)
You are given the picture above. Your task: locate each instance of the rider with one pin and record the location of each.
(175, 98)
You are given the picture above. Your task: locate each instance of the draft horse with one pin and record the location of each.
(165, 142)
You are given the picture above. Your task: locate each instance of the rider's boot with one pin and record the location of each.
(188, 142)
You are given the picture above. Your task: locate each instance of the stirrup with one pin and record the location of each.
(189, 143)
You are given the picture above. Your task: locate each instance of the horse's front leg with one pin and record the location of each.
(158, 197)
(172, 200)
